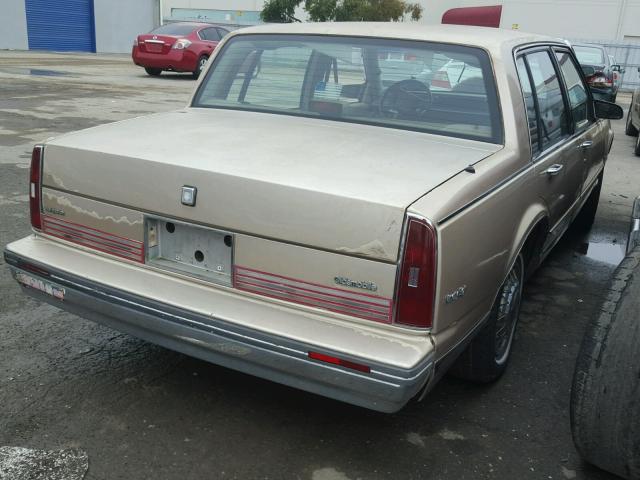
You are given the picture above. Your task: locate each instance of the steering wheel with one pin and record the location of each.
(407, 99)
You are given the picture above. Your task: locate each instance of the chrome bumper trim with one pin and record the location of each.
(386, 388)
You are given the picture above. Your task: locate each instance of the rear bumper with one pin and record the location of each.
(386, 388)
(175, 60)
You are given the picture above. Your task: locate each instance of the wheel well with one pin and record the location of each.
(532, 248)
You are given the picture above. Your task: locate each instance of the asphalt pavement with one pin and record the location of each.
(121, 408)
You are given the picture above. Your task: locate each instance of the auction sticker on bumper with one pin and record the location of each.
(45, 287)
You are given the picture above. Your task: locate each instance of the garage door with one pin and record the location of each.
(61, 25)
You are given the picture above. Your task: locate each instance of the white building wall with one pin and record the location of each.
(13, 25)
(596, 19)
(250, 5)
(118, 22)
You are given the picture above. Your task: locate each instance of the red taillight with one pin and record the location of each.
(35, 187)
(339, 361)
(600, 80)
(441, 79)
(417, 281)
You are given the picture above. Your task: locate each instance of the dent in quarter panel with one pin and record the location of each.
(94, 214)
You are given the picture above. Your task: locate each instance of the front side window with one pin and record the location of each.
(391, 83)
(551, 110)
(576, 90)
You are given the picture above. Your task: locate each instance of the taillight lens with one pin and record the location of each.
(600, 80)
(35, 187)
(181, 44)
(415, 291)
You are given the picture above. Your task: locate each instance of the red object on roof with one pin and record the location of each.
(478, 16)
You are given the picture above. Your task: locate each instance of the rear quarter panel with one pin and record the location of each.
(484, 218)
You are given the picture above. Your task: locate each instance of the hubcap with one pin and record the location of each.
(203, 62)
(508, 310)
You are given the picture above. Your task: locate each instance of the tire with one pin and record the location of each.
(605, 396)
(154, 72)
(202, 61)
(629, 128)
(637, 147)
(486, 357)
(587, 215)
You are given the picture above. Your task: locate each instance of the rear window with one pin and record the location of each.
(589, 55)
(174, 29)
(436, 88)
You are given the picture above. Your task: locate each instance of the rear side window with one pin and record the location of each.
(530, 105)
(548, 92)
(576, 90)
(210, 34)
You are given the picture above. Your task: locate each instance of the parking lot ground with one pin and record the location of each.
(141, 411)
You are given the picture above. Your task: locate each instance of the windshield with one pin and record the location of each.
(589, 55)
(436, 88)
(174, 29)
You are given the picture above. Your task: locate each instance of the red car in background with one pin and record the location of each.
(177, 47)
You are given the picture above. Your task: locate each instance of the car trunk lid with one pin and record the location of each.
(335, 186)
(160, 44)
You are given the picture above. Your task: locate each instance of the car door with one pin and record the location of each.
(558, 163)
(211, 37)
(588, 132)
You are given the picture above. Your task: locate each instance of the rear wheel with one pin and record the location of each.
(637, 149)
(630, 129)
(486, 357)
(202, 62)
(154, 72)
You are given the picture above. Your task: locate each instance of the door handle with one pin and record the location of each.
(586, 144)
(553, 170)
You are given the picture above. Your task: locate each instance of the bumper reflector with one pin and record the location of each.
(339, 361)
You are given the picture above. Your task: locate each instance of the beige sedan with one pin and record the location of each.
(321, 216)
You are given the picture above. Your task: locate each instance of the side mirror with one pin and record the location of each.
(616, 68)
(588, 71)
(608, 110)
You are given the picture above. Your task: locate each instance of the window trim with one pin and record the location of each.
(523, 51)
(524, 54)
(590, 113)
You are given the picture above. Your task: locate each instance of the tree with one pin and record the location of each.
(282, 11)
(279, 11)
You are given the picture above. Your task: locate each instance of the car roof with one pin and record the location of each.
(485, 37)
(192, 24)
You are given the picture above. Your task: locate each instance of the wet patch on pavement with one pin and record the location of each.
(17, 463)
